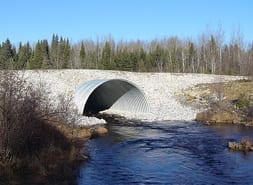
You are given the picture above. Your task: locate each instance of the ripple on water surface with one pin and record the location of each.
(167, 153)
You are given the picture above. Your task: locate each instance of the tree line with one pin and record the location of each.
(209, 54)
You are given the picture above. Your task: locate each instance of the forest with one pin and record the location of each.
(210, 53)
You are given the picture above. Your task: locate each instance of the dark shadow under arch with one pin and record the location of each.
(98, 95)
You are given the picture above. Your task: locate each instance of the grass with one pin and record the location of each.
(232, 90)
(230, 102)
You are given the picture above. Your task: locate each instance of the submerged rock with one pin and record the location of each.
(244, 146)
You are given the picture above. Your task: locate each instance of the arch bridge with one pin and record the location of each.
(115, 94)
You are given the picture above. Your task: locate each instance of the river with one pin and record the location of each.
(167, 153)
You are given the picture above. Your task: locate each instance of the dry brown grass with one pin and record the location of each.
(230, 102)
(230, 90)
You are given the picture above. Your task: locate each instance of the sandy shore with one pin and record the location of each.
(160, 89)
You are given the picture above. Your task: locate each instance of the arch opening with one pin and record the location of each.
(120, 95)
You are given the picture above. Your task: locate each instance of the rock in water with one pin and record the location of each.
(244, 146)
(98, 131)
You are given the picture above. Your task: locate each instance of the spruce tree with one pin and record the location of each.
(46, 64)
(64, 53)
(54, 51)
(106, 56)
(82, 55)
(7, 55)
(191, 58)
(36, 62)
(142, 60)
(23, 56)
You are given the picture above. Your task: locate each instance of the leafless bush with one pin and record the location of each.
(25, 110)
(65, 111)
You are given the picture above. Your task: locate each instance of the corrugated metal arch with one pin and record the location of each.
(98, 95)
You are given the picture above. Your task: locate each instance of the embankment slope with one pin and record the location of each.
(160, 88)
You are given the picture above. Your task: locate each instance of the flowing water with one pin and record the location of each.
(167, 153)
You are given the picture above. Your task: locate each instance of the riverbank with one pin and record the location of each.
(161, 89)
(56, 161)
(53, 151)
(56, 164)
(230, 102)
(39, 142)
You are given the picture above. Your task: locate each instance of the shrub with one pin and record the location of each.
(242, 102)
(24, 112)
(32, 147)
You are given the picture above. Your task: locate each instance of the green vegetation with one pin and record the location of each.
(209, 55)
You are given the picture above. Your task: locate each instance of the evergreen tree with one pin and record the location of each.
(98, 64)
(64, 53)
(24, 56)
(82, 55)
(212, 54)
(133, 61)
(54, 51)
(36, 62)
(41, 58)
(209, 55)
(106, 56)
(7, 55)
(191, 58)
(46, 64)
(226, 60)
(156, 62)
(122, 59)
(141, 60)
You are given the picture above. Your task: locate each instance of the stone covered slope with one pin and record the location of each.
(160, 88)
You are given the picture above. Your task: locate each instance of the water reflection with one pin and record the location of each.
(167, 153)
